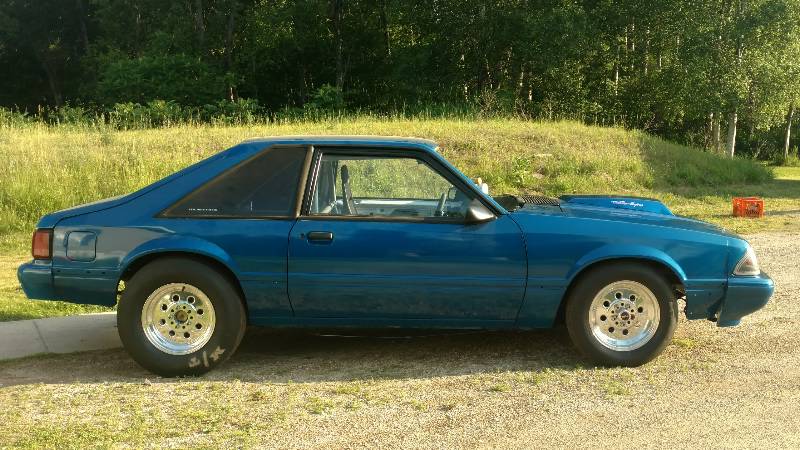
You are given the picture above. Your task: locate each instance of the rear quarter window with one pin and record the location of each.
(263, 186)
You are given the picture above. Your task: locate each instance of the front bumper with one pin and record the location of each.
(743, 296)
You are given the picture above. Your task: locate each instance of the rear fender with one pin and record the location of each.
(178, 244)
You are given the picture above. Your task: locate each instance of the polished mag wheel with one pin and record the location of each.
(624, 315)
(180, 315)
(178, 318)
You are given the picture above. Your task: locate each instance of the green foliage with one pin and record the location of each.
(12, 118)
(243, 111)
(155, 113)
(791, 160)
(68, 114)
(326, 99)
(173, 78)
(677, 69)
(158, 113)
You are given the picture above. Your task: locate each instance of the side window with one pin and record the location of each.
(381, 186)
(264, 186)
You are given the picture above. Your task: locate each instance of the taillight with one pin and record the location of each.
(42, 244)
(748, 265)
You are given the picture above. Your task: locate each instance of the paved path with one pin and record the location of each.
(58, 335)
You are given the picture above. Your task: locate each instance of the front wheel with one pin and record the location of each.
(621, 315)
(180, 317)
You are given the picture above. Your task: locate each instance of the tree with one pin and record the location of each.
(723, 74)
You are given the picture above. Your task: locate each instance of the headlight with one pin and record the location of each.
(748, 265)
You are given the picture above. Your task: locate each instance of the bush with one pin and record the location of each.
(243, 111)
(327, 98)
(494, 103)
(179, 78)
(156, 113)
(166, 113)
(161, 113)
(11, 118)
(792, 160)
(73, 115)
(128, 115)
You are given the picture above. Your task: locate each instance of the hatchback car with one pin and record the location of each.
(381, 232)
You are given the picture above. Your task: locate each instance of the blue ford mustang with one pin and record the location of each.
(381, 232)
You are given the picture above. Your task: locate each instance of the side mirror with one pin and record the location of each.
(477, 212)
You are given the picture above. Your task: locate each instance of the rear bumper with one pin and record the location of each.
(36, 279)
(743, 296)
(85, 286)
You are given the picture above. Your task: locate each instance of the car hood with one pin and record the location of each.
(645, 211)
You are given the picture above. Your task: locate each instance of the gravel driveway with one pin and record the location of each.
(713, 387)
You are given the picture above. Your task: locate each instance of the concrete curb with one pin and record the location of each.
(58, 335)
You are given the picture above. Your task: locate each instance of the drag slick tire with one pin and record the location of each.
(180, 317)
(621, 314)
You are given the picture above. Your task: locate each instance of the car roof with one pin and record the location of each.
(378, 141)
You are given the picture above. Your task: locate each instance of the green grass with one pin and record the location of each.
(787, 173)
(50, 168)
(500, 387)
(686, 343)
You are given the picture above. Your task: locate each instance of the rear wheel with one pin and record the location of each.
(180, 317)
(623, 314)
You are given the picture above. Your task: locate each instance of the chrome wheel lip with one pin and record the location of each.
(178, 318)
(624, 315)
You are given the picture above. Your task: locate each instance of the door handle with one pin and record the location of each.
(320, 236)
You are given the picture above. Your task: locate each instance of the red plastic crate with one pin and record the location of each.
(748, 207)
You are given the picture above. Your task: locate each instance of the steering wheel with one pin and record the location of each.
(440, 206)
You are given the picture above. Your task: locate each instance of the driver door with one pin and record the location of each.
(383, 235)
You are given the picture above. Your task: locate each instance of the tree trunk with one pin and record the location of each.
(710, 131)
(84, 31)
(51, 80)
(230, 28)
(199, 25)
(616, 69)
(385, 27)
(633, 48)
(520, 83)
(715, 132)
(336, 16)
(788, 139)
(646, 59)
(733, 118)
(138, 29)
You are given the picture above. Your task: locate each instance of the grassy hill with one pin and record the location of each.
(49, 168)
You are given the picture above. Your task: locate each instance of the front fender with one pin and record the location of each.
(617, 251)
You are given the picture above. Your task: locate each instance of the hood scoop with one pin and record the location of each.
(515, 202)
(640, 204)
(539, 200)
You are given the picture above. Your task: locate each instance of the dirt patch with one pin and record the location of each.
(713, 387)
